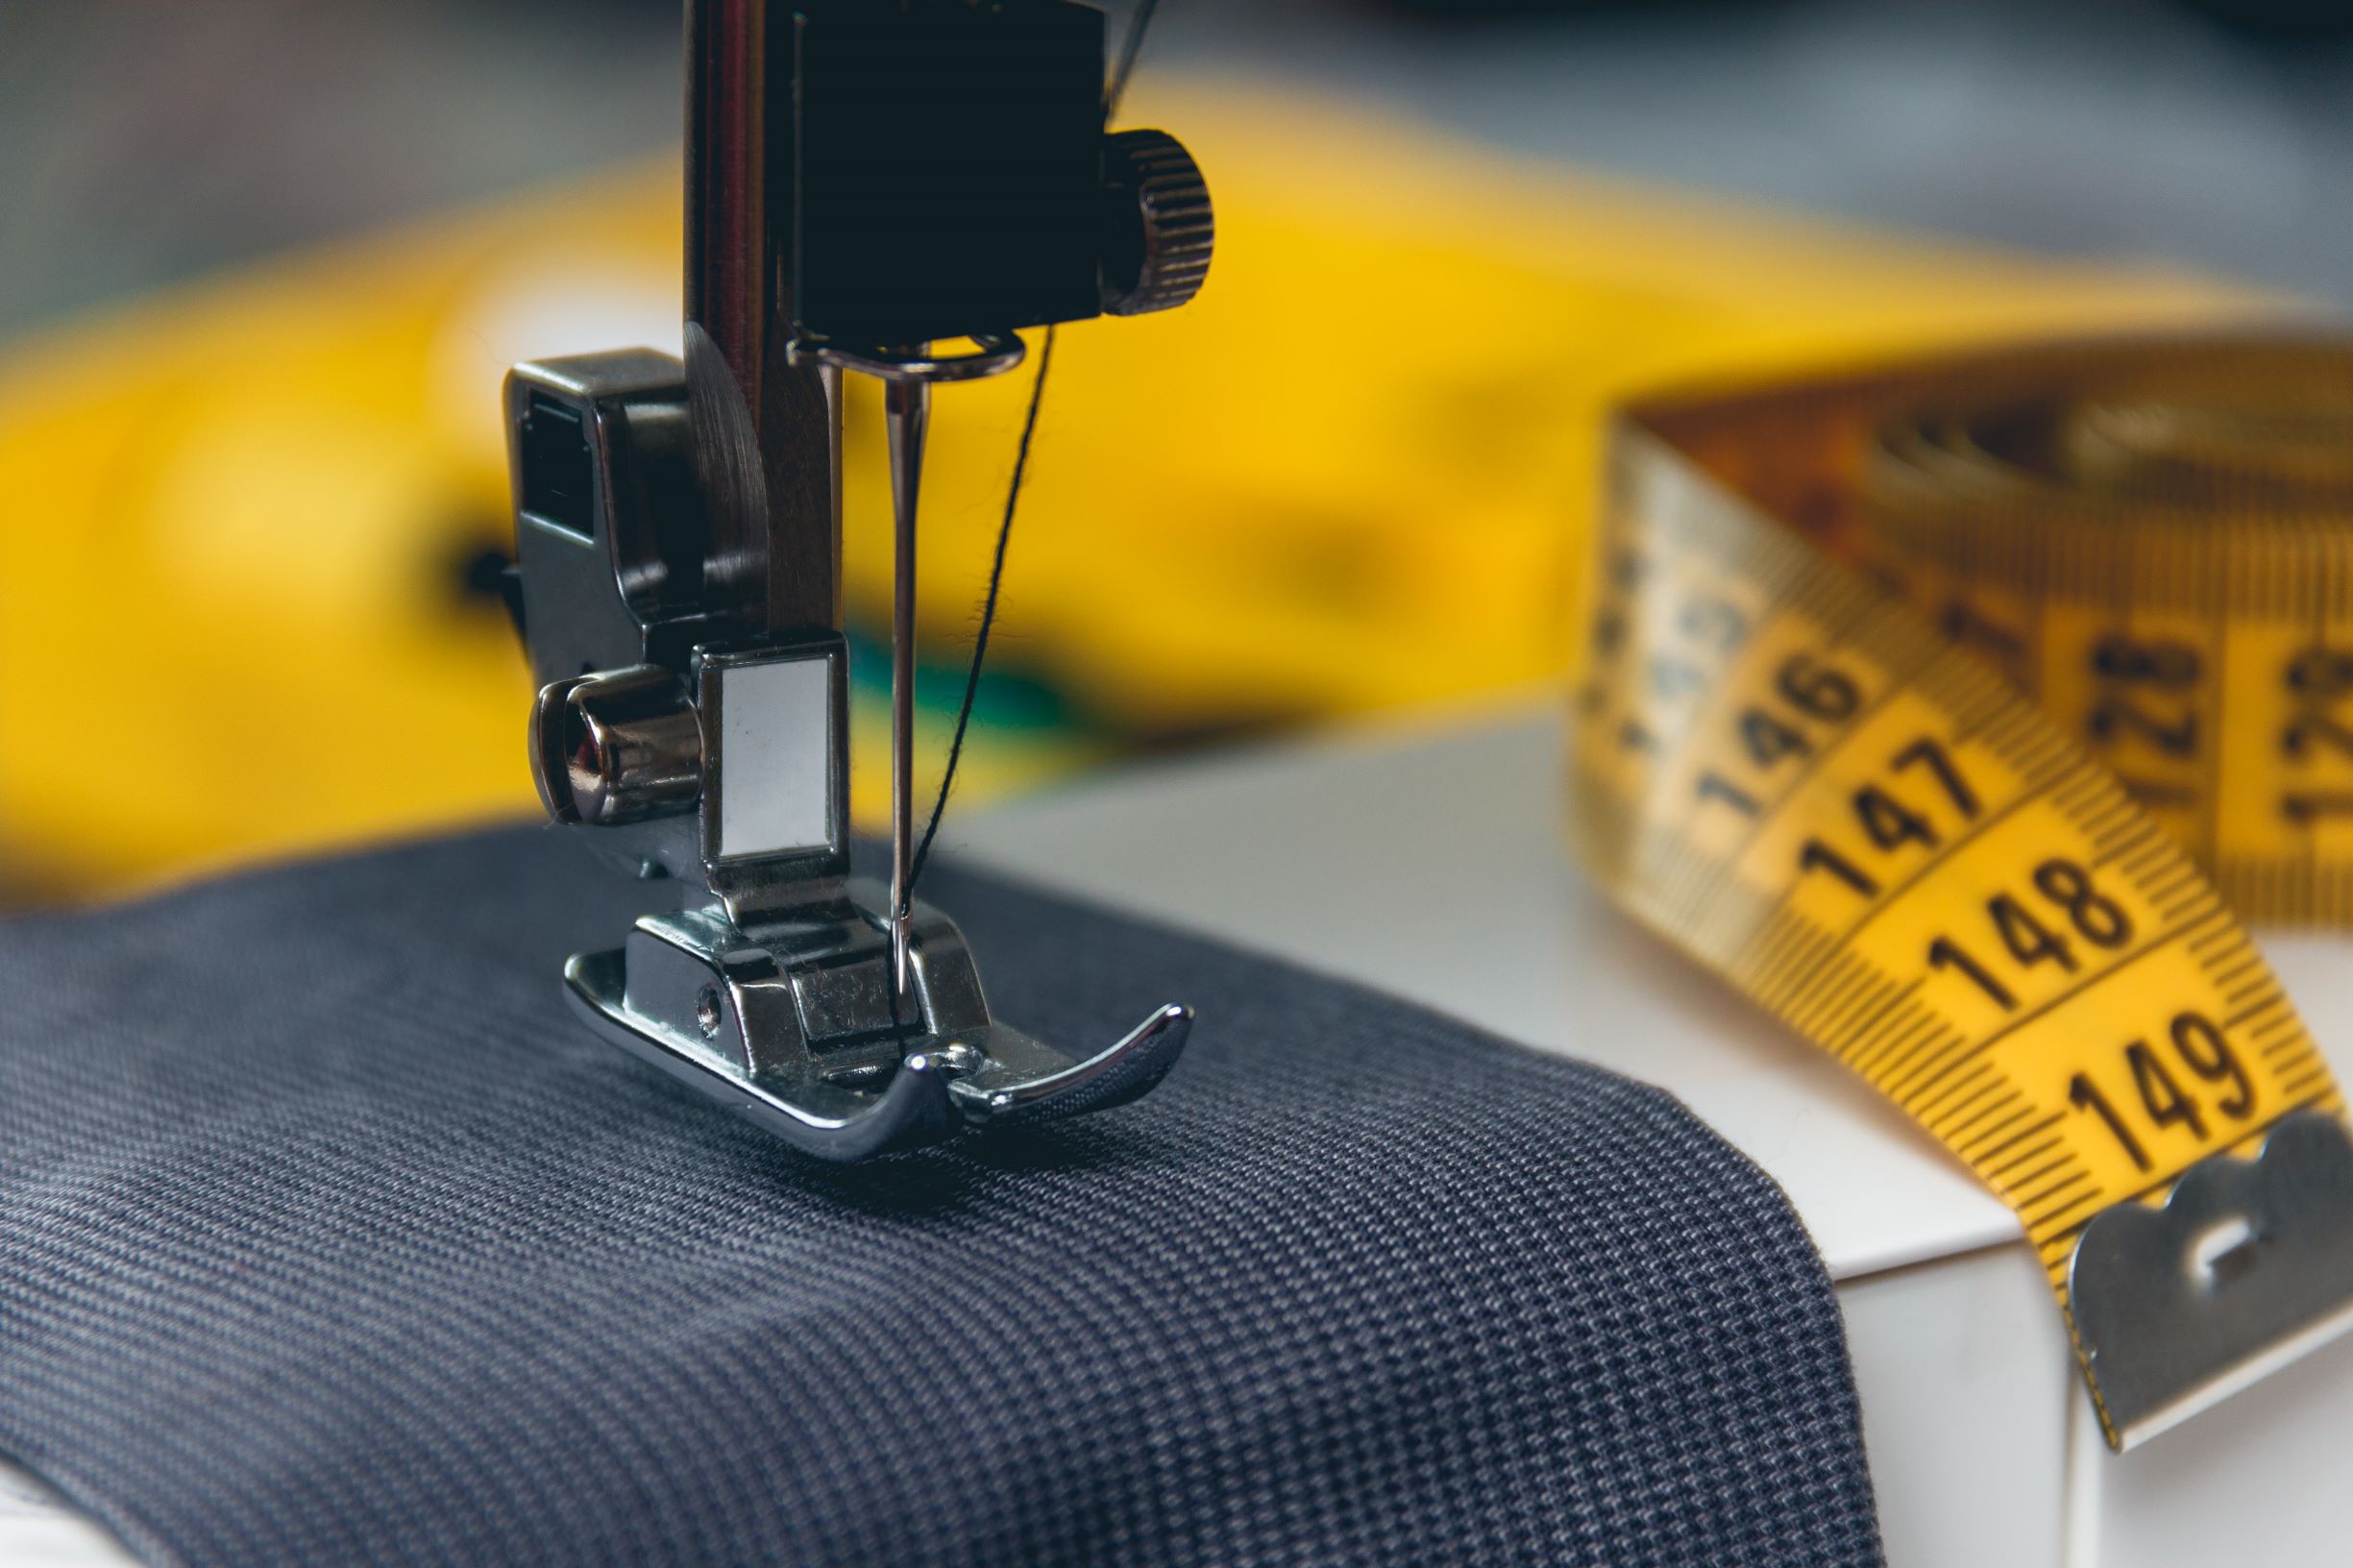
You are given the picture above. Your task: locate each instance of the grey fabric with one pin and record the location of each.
(326, 1237)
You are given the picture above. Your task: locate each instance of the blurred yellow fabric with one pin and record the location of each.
(1356, 474)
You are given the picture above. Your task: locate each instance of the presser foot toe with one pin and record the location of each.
(1000, 1096)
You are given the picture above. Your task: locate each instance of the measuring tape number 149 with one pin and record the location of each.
(1956, 715)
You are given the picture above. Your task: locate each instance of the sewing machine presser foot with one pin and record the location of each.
(794, 1026)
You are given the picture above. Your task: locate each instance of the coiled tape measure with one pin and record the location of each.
(1958, 716)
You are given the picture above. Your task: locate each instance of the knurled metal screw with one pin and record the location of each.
(1162, 228)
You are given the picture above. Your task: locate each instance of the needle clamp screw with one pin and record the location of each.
(1157, 255)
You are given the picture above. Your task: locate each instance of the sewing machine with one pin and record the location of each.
(1323, 854)
(863, 180)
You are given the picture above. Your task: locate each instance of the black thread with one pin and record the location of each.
(1129, 52)
(988, 618)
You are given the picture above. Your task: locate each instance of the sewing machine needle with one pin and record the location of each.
(907, 408)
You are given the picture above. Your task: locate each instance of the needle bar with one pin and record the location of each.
(907, 408)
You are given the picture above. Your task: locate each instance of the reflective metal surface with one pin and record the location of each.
(907, 408)
(617, 747)
(993, 355)
(792, 1025)
(2246, 1266)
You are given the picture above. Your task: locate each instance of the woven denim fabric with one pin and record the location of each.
(327, 1237)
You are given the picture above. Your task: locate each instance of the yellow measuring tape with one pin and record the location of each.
(1957, 715)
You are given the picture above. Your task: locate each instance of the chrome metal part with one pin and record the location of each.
(617, 747)
(2244, 1266)
(993, 355)
(792, 1023)
(907, 408)
(678, 540)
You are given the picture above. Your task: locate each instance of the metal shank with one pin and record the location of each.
(767, 422)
